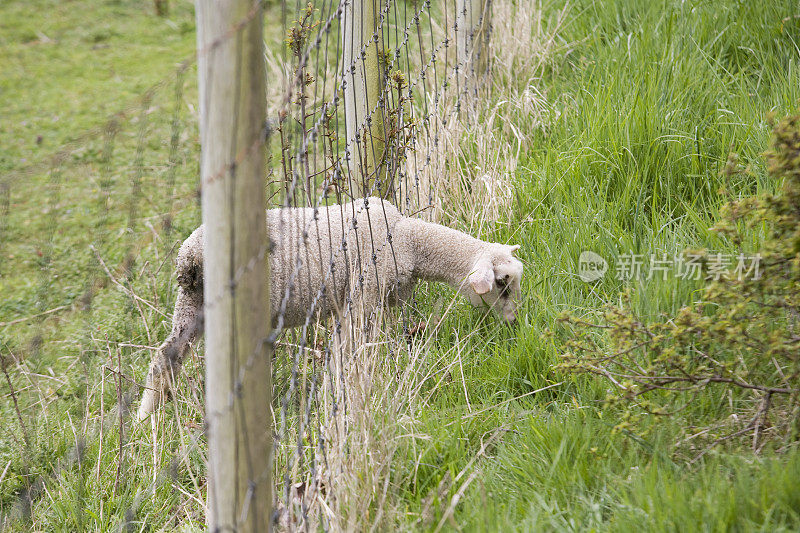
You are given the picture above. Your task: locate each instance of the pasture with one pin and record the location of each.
(605, 126)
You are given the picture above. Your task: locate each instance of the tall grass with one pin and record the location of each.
(605, 127)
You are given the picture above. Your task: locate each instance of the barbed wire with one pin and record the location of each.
(417, 97)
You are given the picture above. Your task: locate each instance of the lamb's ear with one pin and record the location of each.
(482, 277)
(513, 248)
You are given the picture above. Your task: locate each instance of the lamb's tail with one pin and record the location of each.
(189, 268)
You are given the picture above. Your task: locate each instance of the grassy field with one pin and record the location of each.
(609, 122)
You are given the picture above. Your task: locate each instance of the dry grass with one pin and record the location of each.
(430, 419)
(384, 378)
(474, 154)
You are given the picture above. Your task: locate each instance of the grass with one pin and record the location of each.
(606, 128)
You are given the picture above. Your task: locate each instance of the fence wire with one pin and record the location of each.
(102, 233)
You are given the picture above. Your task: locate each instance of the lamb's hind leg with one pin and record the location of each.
(187, 325)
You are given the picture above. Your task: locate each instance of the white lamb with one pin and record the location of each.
(364, 250)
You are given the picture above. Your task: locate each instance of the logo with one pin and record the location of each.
(591, 266)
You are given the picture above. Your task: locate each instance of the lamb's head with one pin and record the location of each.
(495, 280)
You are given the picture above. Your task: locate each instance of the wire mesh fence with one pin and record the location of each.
(358, 97)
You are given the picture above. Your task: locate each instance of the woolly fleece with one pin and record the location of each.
(322, 257)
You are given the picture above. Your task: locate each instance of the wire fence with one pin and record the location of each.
(358, 95)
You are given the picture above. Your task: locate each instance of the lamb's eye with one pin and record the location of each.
(502, 286)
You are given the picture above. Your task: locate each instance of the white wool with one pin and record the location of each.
(364, 250)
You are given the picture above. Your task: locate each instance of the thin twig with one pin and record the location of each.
(126, 378)
(121, 421)
(721, 440)
(761, 418)
(25, 319)
(16, 404)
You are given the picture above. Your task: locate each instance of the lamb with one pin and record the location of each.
(320, 258)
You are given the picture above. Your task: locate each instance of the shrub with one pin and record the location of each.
(743, 335)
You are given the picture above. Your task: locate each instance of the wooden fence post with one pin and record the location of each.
(231, 75)
(362, 50)
(471, 46)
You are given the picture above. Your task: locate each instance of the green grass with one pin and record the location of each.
(643, 103)
(63, 74)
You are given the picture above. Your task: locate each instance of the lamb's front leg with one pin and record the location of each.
(187, 325)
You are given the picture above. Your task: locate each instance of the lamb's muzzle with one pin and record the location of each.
(365, 250)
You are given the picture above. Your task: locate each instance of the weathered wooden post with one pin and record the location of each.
(362, 55)
(471, 40)
(231, 74)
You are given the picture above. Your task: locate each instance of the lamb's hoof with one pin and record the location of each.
(151, 399)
